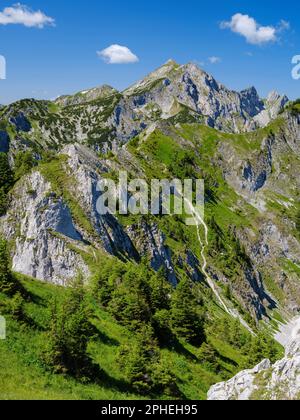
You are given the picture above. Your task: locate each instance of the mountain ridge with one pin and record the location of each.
(105, 118)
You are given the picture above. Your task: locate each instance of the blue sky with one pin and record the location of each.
(51, 60)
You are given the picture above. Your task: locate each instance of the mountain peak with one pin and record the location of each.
(250, 90)
(158, 74)
(274, 97)
(171, 62)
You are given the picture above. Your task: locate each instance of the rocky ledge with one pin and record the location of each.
(280, 381)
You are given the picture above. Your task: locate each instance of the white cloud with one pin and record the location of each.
(214, 60)
(117, 54)
(254, 32)
(23, 15)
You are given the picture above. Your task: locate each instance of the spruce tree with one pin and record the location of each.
(236, 338)
(6, 175)
(187, 319)
(6, 182)
(298, 221)
(136, 359)
(160, 290)
(69, 335)
(209, 355)
(144, 370)
(3, 201)
(8, 284)
(130, 302)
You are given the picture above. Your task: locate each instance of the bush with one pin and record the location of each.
(24, 162)
(262, 347)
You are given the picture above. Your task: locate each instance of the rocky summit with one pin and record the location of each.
(196, 304)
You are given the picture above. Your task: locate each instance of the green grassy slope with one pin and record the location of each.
(23, 375)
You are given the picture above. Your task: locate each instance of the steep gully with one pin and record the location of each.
(286, 333)
(199, 221)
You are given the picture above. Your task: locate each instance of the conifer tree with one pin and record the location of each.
(8, 284)
(187, 320)
(298, 221)
(144, 370)
(6, 175)
(69, 335)
(6, 181)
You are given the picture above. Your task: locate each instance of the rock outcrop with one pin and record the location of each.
(45, 239)
(151, 244)
(280, 381)
(272, 107)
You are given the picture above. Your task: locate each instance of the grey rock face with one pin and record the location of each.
(292, 136)
(278, 382)
(150, 242)
(247, 176)
(240, 387)
(261, 177)
(21, 123)
(45, 235)
(41, 225)
(42, 228)
(195, 267)
(250, 102)
(104, 118)
(172, 89)
(274, 104)
(110, 235)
